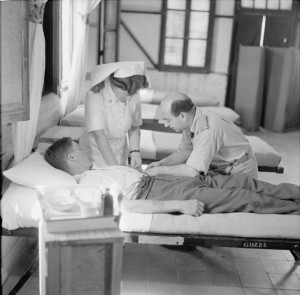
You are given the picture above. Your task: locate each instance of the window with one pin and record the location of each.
(59, 31)
(51, 26)
(268, 4)
(186, 35)
(278, 20)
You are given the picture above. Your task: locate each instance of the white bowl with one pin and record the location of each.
(88, 195)
(61, 199)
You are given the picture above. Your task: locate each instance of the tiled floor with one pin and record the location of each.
(156, 270)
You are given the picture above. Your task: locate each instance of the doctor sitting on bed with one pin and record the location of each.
(208, 141)
(142, 193)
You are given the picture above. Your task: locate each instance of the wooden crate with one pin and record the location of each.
(88, 262)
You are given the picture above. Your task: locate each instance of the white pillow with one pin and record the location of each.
(75, 118)
(226, 113)
(20, 207)
(155, 96)
(34, 171)
(42, 147)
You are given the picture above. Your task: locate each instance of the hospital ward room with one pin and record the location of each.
(150, 147)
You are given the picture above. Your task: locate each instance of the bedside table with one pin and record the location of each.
(80, 262)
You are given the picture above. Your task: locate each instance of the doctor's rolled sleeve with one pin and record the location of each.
(203, 149)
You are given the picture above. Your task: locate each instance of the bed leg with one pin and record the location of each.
(296, 254)
(27, 274)
(24, 278)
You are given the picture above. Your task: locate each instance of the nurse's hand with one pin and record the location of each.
(136, 161)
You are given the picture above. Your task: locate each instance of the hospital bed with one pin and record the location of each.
(142, 228)
(20, 212)
(20, 209)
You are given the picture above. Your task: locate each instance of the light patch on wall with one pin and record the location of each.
(262, 34)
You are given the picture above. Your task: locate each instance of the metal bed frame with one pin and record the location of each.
(26, 233)
(293, 245)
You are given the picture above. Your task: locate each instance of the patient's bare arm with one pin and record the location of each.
(190, 207)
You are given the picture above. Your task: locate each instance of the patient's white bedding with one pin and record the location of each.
(20, 208)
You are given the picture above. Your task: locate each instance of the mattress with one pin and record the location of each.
(155, 96)
(20, 208)
(150, 113)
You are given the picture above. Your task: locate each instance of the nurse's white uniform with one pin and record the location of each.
(103, 111)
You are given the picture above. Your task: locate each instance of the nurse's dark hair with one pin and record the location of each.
(130, 84)
(56, 154)
(184, 104)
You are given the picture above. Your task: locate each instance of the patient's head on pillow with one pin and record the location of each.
(65, 154)
(34, 171)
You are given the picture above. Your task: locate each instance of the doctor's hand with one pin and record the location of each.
(136, 161)
(154, 164)
(192, 207)
(153, 171)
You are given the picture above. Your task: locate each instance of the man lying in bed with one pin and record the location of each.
(165, 193)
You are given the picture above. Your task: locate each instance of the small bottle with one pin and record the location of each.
(108, 203)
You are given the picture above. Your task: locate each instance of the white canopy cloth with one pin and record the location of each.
(79, 60)
(23, 132)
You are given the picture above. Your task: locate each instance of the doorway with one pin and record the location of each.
(260, 26)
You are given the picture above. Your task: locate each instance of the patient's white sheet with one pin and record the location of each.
(230, 224)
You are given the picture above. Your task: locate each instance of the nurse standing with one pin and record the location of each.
(113, 113)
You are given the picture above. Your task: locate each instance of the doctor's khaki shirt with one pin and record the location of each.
(214, 140)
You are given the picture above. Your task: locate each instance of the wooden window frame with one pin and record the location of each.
(184, 67)
(267, 11)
